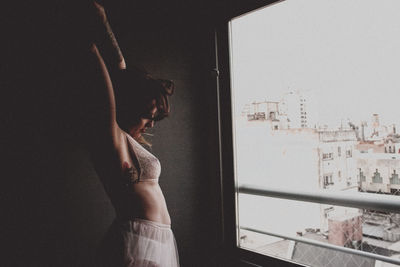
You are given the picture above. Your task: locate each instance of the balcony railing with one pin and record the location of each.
(378, 202)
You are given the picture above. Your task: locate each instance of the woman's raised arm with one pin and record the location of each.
(106, 123)
(105, 40)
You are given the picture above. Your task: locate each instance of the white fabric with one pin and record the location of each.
(150, 167)
(151, 244)
(139, 243)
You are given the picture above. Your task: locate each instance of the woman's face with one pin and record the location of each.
(145, 121)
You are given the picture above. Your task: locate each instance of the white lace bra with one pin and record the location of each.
(149, 165)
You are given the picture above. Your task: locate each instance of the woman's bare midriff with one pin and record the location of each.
(150, 202)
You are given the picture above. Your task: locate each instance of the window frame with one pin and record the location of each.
(232, 255)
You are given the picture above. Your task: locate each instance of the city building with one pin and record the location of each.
(295, 110)
(299, 108)
(379, 172)
(364, 157)
(337, 164)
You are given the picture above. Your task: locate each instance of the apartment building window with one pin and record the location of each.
(361, 176)
(328, 179)
(327, 156)
(327, 211)
(286, 52)
(395, 178)
(377, 178)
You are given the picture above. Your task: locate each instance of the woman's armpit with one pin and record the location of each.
(130, 173)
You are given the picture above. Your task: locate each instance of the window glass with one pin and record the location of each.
(315, 96)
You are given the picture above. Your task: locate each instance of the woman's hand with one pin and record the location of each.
(107, 42)
(100, 11)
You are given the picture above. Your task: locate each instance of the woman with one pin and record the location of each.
(141, 233)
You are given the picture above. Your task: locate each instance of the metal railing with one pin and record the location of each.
(361, 200)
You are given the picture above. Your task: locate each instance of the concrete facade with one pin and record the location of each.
(378, 172)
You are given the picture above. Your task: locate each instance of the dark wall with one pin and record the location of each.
(54, 209)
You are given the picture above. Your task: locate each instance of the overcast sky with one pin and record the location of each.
(346, 52)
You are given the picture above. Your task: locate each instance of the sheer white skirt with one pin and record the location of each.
(139, 243)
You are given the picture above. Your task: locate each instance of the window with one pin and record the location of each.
(272, 116)
(395, 178)
(327, 211)
(327, 156)
(328, 180)
(361, 176)
(377, 178)
(286, 53)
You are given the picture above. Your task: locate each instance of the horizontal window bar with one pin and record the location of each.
(353, 199)
(329, 246)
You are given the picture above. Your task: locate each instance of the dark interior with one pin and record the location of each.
(54, 208)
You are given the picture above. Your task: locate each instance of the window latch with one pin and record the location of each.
(215, 72)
